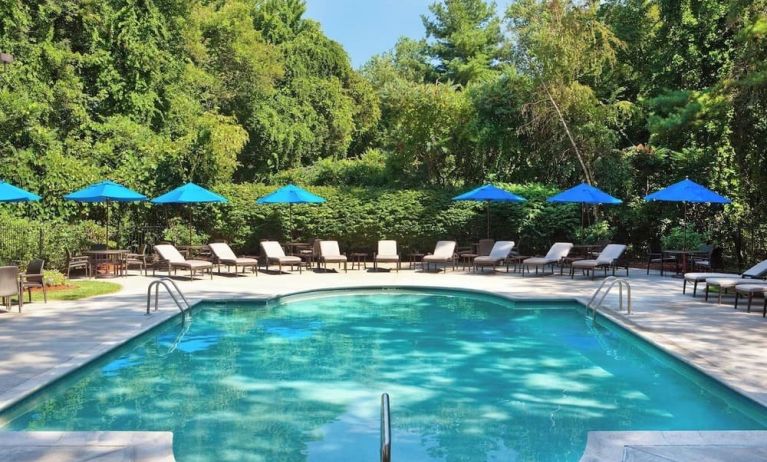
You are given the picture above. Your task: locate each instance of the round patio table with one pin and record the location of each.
(107, 263)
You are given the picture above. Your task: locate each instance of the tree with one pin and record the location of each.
(465, 38)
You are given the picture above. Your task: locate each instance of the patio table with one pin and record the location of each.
(683, 256)
(107, 263)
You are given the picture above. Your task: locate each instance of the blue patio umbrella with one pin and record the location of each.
(190, 193)
(687, 191)
(582, 194)
(10, 193)
(489, 193)
(290, 194)
(106, 191)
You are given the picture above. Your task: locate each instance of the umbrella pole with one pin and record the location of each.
(191, 215)
(684, 239)
(290, 221)
(107, 226)
(488, 219)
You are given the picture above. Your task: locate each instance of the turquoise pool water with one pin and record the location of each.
(471, 378)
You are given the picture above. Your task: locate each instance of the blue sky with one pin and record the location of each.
(368, 27)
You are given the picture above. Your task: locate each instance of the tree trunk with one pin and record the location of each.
(585, 169)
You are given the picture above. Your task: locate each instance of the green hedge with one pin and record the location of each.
(359, 217)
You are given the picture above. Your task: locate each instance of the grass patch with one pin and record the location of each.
(77, 290)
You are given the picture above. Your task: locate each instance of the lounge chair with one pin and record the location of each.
(387, 253)
(330, 253)
(725, 284)
(751, 290)
(757, 271)
(497, 255)
(607, 258)
(170, 256)
(273, 253)
(33, 279)
(9, 286)
(136, 259)
(444, 252)
(223, 255)
(556, 254)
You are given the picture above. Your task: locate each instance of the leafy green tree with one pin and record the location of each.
(465, 39)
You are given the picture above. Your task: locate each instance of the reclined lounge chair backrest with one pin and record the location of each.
(559, 250)
(329, 249)
(169, 253)
(388, 248)
(610, 253)
(272, 249)
(444, 249)
(757, 271)
(222, 251)
(9, 281)
(501, 249)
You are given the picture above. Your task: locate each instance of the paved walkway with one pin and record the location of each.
(49, 340)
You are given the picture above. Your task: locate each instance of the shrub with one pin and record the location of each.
(54, 278)
(678, 238)
(178, 233)
(596, 233)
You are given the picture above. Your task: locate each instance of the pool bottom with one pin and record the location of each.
(472, 377)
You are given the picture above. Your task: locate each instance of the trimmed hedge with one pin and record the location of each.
(359, 217)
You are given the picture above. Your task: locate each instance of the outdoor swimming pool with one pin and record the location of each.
(472, 378)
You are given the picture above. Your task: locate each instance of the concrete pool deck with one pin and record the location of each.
(49, 340)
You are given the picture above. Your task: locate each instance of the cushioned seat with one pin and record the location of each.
(225, 256)
(275, 254)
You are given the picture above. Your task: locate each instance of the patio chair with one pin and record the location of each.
(273, 253)
(136, 259)
(223, 255)
(387, 253)
(607, 258)
(330, 253)
(33, 279)
(751, 290)
(725, 282)
(171, 257)
(485, 246)
(712, 260)
(755, 272)
(497, 255)
(655, 256)
(75, 262)
(558, 252)
(9, 286)
(444, 252)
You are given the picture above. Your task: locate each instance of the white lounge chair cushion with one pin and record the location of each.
(329, 249)
(610, 253)
(272, 249)
(586, 263)
(728, 283)
(559, 250)
(222, 251)
(443, 250)
(499, 252)
(244, 261)
(757, 271)
(752, 288)
(286, 260)
(380, 257)
(699, 277)
(387, 247)
(539, 261)
(169, 253)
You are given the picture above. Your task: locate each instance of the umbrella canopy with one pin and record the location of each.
(10, 193)
(189, 193)
(291, 194)
(584, 193)
(687, 191)
(489, 193)
(104, 192)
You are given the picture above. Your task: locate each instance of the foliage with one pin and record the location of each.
(600, 231)
(54, 278)
(179, 232)
(681, 238)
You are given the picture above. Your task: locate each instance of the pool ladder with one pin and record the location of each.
(172, 289)
(612, 281)
(385, 429)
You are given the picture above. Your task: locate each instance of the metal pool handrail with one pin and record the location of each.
(169, 288)
(385, 429)
(612, 280)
